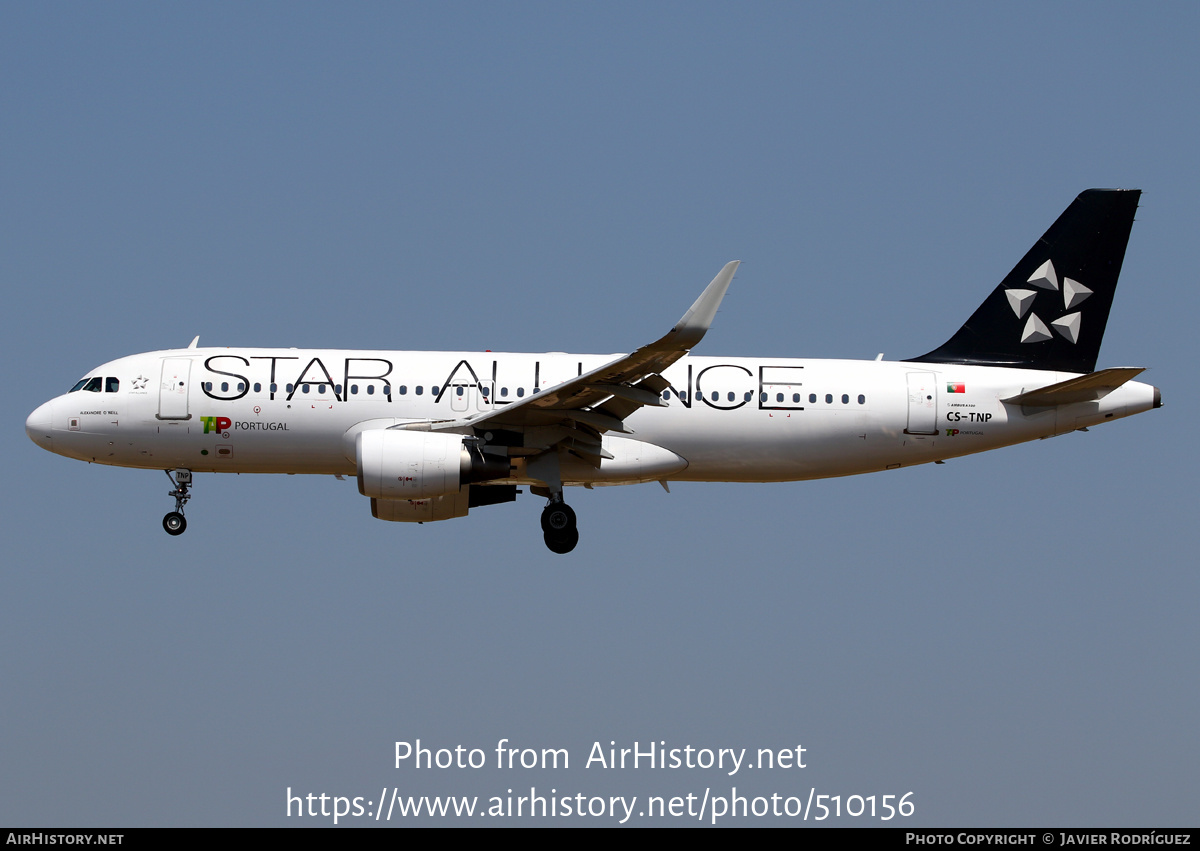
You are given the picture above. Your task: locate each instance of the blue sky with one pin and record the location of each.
(1011, 636)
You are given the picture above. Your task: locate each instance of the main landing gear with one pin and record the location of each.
(558, 524)
(558, 520)
(175, 523)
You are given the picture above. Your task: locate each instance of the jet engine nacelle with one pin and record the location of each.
(402, 464)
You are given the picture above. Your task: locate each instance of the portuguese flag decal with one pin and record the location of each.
(956, 388)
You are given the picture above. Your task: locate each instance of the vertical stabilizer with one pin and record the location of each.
(1051, 309)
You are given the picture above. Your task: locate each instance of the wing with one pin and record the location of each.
(600, 400)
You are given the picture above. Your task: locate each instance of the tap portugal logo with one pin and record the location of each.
(217, 424)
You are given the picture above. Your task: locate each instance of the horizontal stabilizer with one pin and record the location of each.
(1086, 388)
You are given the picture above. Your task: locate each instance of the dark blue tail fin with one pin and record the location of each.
(1051, 310)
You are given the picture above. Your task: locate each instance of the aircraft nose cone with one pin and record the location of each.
(37, 425)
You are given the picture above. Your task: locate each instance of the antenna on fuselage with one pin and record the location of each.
(195, 340)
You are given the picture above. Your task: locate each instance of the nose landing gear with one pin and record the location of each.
(174, 522)
(558, 526)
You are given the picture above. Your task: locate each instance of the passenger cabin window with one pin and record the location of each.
(828, 398)
(420, 389)
(111, 385)
(370, 389)
(520, 391)
(78, 385)
(862, 400)
(845, 398)
(93, 385)
(403, 389)
(257, 387)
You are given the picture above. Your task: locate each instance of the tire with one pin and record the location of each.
(563, 543)
(175, 523)
(558, 518)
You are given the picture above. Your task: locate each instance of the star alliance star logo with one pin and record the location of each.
(139, 383)
(1044, 278)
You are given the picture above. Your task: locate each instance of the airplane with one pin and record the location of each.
(432, 435)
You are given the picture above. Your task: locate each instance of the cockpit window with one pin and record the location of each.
(94, 384)
(111, 385)
(78, 385)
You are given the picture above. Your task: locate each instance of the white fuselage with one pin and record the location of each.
(727, 419)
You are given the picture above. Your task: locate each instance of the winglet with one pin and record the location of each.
(690, 329)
